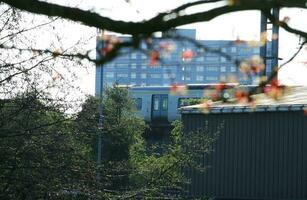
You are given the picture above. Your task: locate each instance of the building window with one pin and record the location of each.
(187, 78)
(212, 58)
(133, 65)
(223, 78)
(172, 75)
(233, 69)
(144, 56)
(199, 68)
(133, 75)
(200, 59)
(201, 50)
(122, 75)
(110, 66)
(122, 65)
(133, 56)
(199, 78)
(233, 49)
(223, 68)
(155, 75)
(188, 68)
(212, 69)
(138, 103)
(211, 78)
(223, 59)
(166, 76)
(256, 50)
(224, 50)
(110, 74)
(143, 66)
(143, 75)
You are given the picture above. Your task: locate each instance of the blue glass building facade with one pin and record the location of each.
(208, 65)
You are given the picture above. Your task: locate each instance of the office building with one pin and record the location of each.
(203, 64)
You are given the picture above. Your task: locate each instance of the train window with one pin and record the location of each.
(138, 103)
(156, 103)
(189, 101)
(164, 104)
(182, 102)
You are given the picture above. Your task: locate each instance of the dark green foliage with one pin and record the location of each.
(122, 128)
(162, 173)
(191, 101)
(46, 155)
(40, 156)
(87, 124)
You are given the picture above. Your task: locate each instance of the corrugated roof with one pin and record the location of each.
(294, 98)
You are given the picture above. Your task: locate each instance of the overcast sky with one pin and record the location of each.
(245, 25)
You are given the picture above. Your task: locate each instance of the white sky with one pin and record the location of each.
(245, 24)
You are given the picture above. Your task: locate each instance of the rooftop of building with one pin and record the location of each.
(294, 99)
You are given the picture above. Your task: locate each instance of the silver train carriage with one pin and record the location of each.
(157, 103)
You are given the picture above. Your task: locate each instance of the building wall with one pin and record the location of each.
(256, 156)
(133, 66)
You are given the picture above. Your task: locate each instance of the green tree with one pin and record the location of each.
(159, 172)
(122, 128)
(86, 124)
(41, 158)
(131, 168)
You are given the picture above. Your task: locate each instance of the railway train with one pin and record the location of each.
(158, 104)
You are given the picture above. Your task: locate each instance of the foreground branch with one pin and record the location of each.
(155, 24)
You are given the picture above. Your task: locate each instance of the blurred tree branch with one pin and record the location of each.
(158, 23)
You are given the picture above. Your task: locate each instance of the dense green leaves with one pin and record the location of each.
(41, 156)
(47, 155)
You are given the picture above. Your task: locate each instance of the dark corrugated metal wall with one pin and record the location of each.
(257, 155)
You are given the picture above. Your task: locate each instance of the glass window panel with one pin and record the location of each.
(199, 78)
(212, 68)
(212, 58)
(156, 103)
(200, 59)
(110, 74)
(133, 56)
(122, 75)
(199, 68)
(164, 103)
(155, 75)
(143, 75)
(133, 75)
(133, 65)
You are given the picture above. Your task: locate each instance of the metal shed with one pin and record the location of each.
(260, 153)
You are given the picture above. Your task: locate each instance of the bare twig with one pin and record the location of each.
(294, 55)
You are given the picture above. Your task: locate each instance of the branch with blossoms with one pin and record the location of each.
(141, 31)
(162, 22)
